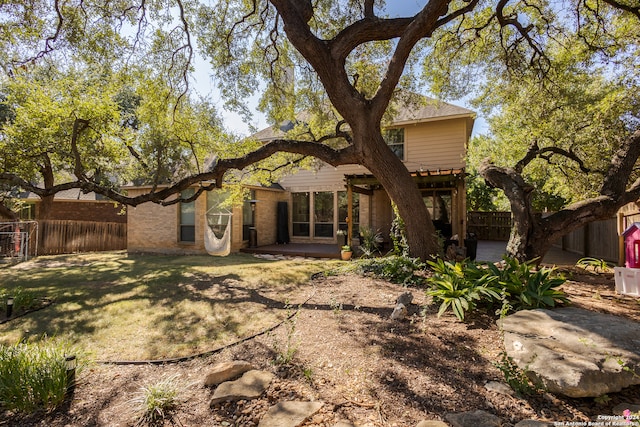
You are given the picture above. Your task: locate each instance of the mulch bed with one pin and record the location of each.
(365, 367)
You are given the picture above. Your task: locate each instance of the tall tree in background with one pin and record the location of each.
(573, 143)
(303, 55)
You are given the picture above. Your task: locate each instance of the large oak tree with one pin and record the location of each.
(300, 55)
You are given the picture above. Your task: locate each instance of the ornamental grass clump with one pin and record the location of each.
(33, 376)
(23, 300)
(156, 401)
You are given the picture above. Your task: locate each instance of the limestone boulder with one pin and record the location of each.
(473, 419)
(226, 371)
(405, 298)
(289, 414)
(399, 312)
(574, 352)
(250, 386)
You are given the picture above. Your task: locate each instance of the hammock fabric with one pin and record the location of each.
(218, 246)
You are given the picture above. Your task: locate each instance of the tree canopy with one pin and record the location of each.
(346, 61)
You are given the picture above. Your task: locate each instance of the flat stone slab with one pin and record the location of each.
(289, 414)
(250, 386)
(432, 423)
(574, 352)
(226, 371)
(473, 419)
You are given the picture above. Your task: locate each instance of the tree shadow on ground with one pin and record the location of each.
(179, 298)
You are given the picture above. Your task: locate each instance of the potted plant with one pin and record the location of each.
(346, 252)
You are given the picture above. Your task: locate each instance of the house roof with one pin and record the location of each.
(633, 227)
(432, 110)
(67, 195)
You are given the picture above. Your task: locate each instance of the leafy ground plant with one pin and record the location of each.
(595, 264)
(394, 268)
(286, 352)
(514, 376)
(513, 286)
(155, 402)
(459, 286)
(33, 376)
(525, 287)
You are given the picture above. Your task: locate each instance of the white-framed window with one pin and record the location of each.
(395, 140)
(28, 211)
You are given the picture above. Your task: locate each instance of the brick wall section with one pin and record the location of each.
(266, 215)
(154, 228)
(86, 211)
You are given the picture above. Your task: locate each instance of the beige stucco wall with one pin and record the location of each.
(154, 228)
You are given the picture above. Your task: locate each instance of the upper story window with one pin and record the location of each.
(395, 140)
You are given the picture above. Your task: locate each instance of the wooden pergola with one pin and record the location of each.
(440, 179)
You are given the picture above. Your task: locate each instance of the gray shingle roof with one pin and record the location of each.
(430, 110)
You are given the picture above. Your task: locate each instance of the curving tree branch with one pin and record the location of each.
(215, 174)
(535, 151)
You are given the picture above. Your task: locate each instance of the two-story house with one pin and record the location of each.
(311, 206)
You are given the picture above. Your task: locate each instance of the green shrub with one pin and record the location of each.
(525, 287)
(154, 402)
(394, 268)
(460, 286)
(23, 299)
(33, 376)
(398, 234)
(463, 286)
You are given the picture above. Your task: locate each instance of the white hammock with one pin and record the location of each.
(218, 246)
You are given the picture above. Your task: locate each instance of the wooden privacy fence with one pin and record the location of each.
(598, 239)
(65, 237)
(489, 225)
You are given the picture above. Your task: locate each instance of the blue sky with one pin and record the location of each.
(236, 124)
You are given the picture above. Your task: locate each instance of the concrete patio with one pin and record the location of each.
(488, 251)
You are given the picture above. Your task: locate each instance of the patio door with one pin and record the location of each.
(314, 215)
(323, 203)
(438, 204)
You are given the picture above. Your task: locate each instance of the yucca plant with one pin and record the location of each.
(33, 376)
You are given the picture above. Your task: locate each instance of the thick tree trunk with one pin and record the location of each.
(404, 192)
(46, 204)
(532, 235)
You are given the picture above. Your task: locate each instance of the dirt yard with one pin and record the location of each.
(365, 367)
